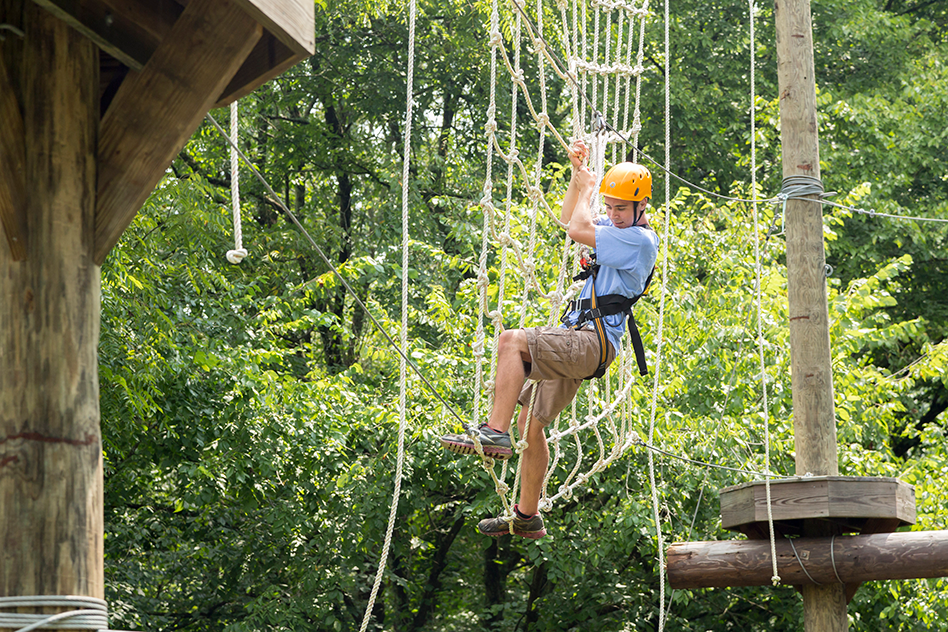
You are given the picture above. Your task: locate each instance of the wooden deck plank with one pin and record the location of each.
(12, 168)
(855, 502)
(156, 110)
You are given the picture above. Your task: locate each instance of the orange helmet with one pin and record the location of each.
(627, 181)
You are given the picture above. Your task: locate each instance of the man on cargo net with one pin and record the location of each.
(556, 360)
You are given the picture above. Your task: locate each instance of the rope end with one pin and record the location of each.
(236, 256)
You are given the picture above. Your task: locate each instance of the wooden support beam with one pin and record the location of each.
(269, 58)
(129, 31)
(858, 558)
(12, 168)
(291, 21)
(51, 520)
(157, 110)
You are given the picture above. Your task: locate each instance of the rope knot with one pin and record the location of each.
(236, 256)
(496, 39)
(543, 119)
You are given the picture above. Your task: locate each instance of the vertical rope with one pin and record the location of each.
(660, 334)
(487, 206)
(238, 253)
(497, 315)
(402, 416)
(637, 115)
(757, 265)
(618, 88)
(584, 55)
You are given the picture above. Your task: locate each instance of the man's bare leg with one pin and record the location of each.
(535, 459)
(512, 353)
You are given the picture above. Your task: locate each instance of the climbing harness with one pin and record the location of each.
(595, 308)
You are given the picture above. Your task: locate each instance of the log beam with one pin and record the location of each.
(141, 134)
(858, 558)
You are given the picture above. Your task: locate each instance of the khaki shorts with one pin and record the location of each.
(561, 360)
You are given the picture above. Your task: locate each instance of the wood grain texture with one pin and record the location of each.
(268, 59)
(128, 30)
(12, 167)
(811, 368)
(293, 22)
(157, 110)
(51, 529)
(857, 497)
(858, 558)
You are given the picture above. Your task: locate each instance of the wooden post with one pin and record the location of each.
(51, 517)
(811, 368)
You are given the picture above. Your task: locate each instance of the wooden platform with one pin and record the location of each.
(130, 31)
(852, 504)
(162, 64)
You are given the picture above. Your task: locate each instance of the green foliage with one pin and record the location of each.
(250, 412)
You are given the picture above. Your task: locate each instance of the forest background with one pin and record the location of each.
(250, 412)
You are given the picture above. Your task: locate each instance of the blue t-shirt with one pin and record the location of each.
(626, 257)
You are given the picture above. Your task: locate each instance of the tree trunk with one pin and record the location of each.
(538, 587)
(51, 519)
(429, 598)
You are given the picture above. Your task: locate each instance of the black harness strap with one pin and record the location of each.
(595, 307)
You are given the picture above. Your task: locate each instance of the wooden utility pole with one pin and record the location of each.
(811, 366)
(826, 565)
(51, 524)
